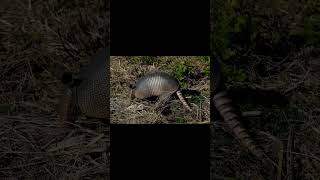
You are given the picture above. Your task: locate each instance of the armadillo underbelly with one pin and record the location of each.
(157, 84)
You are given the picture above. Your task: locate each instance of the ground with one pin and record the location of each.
(35, 35)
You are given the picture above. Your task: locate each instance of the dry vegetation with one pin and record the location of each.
(191, 72)
(34, 35)
(270, 46)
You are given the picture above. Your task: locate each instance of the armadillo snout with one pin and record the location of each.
(139, 94)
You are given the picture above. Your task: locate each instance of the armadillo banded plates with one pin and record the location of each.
(92, 92)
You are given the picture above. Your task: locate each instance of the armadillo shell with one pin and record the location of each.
(91, 95)
(155, 84)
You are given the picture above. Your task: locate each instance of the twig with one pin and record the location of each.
(278, 64)
(251, 113)
(280, 155)
(297, 84)
(306, 155)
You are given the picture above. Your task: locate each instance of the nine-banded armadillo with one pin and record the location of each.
(158, 84)
(229, 113)
(89, 96)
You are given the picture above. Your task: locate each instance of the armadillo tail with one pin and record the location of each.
(224, 105)
(183, 101)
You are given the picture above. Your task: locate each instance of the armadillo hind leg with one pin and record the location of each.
(183, 101)
(163, 99)
(232, 119)
(131, 96)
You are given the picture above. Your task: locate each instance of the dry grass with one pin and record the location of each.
(34, 36)
(32, 147)
(126, 70)
(289, 135)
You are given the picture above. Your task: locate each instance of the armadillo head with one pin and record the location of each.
(134, 92)
(138, 94)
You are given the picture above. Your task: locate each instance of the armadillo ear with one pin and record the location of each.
(132, 86)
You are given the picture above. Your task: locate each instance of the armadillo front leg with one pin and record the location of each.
(65, 108)
(163, 99)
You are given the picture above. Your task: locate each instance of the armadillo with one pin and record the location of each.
(229, 113)
(90, 95)
(158, 84)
